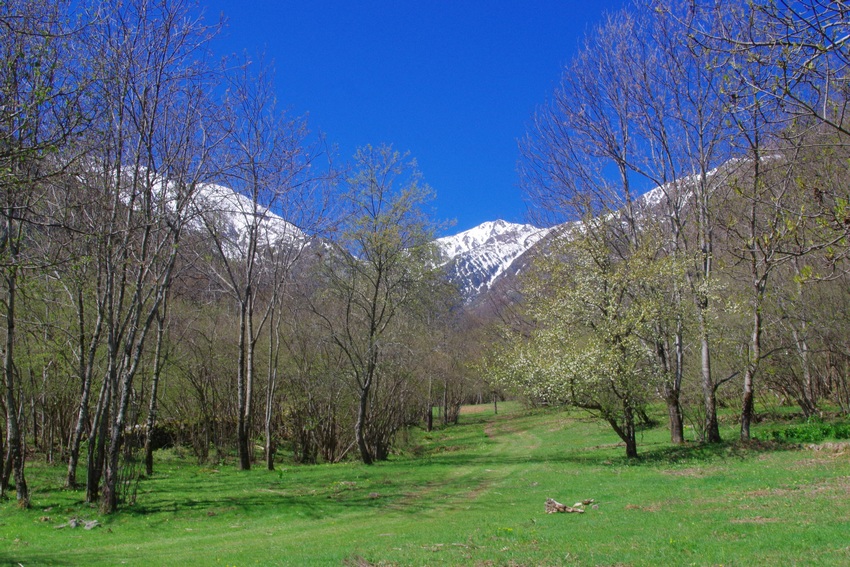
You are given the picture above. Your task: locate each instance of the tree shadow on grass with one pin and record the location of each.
(32, 559)
(651, 454)
(323, 493)
(404, 484)
(307, 507)
(316, 505)
(708, 452)
(613, 454)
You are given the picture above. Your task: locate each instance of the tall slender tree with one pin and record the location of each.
(150, 73)
(267, 162)
(385, 256)
(39, 116)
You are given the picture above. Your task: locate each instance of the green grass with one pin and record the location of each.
(474, 494)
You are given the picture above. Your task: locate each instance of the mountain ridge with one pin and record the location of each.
(474, 259)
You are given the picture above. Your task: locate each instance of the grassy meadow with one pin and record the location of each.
(472, 494)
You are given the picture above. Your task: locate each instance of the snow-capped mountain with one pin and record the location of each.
(485, 261)
(231, 215)
(476, 257)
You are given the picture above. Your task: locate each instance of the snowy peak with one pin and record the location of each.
(498, 235)
(233, 216)
(473, 259)
(476, 257)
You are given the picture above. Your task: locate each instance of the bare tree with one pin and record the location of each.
(258, 221)
(279, 262)
(803, 43)
(150, 74)
(82, 281)
(38, 117)
(776, 229)
(689, 136)
(785, 68)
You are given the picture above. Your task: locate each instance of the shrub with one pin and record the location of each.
(814, 430)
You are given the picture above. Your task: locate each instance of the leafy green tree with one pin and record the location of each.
(655, 120)
(385, 256)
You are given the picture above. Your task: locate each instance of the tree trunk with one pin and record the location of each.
(109, 495)
(86, 374)
(270, 447)
(676, 421)
(705, 238)
(14, 436)
(747, 409)
(106, 446)
(631, 447)
(4, 479)
(758, 286)
(5, 473)
(673, 377)
(627, 433)
(112, 472)
(445, 416)
(97, 442)
(241, 403)
(429, 416)
(249, 384)
(360, 426)
(712, 427)
(157, 371)
(809, 403)
(809, 397)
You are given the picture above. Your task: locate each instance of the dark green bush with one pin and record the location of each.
(814, 430)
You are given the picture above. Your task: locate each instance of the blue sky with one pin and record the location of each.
(455, 83)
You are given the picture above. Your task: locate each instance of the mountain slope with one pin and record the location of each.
(484, 262)
(232, 215)
(475, 258)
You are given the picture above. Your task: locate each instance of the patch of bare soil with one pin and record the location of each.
(840, 487)
(755, 520)
(492, 429)
(809, 463)
(655, 507)
(834, 488)
(830, 447)
(691, 472)
(478, 408)
(764, 492)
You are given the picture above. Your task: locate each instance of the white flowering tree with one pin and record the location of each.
(595, 301)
